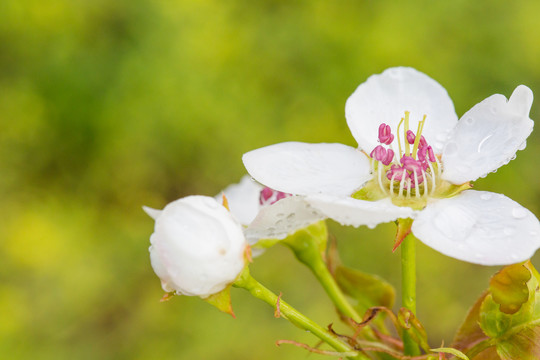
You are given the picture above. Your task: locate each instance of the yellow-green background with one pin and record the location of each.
(109, 105)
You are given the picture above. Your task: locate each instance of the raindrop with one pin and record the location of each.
(291, 216)
(280, 215)
(494, 110)
(279, 222)
(469, 121)
(450, 149)
(479, 149)
(519, 213)
(523, 145)
(485, 196)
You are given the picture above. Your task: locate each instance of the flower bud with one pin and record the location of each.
(197, 247)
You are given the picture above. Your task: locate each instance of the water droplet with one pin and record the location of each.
(291, 216)
(450, 149)
(280, 215)
(469, 121)
(523, 145)
(514, 256)
(479, 149)
(509, 231)
(519, 213)
(486, 196)
(279, 222)
(494, 109)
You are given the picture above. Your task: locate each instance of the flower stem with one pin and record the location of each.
(408, 292)
(247, 282)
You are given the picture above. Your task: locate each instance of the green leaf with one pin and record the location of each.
(222, 301)
(490, 327)
(368, 290)
(509, 289)
(470, 333)
(410, 324)
(452, 351)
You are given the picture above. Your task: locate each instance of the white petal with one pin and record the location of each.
(349, 211)
(303, 169)
(385, 97)
(488, 136)
(282, 218)
(153, 213)
(479, 227)
(243, 199)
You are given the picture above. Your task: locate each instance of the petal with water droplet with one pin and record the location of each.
(484, 139)
(349, 211)
(304, 169)
(479, 227)
(385, 97)
(295, 213)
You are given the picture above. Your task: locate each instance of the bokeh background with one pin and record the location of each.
(109, 105)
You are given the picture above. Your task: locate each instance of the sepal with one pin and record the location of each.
(222, 301)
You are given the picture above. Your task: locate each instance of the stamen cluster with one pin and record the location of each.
(411, 170)
(270, 196)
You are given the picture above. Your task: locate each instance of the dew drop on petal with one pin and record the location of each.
(469, 121)
(494, 109)
(486, 196)
(519, 213)
(291, 216)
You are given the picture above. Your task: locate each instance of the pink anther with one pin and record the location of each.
(431, 154)
(396, 172)
(410, 137)
(269, 196)
(383, 155)
(385, 134)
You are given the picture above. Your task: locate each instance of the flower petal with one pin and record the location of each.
(243, 199)
(153, 213)
(303, 169)
(282, 218)
(488, 136)
(349, 211)
(385, 97)
(479, 227)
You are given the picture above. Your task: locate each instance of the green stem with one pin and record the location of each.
(321, 272)
(408, 290)
(247, 282)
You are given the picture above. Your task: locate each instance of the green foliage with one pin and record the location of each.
(514, 335)
(109, 105)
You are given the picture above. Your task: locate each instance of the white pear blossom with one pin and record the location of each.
(267, 213)
(197, 247)
(416, 160)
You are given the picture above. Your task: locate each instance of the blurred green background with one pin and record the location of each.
(109, 105)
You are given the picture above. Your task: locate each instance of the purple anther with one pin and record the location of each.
(269, 196)
(396, 171)
(388, 158)
(414, 166)
(379, 153)
(265, 195)
(385, 134)
(431, 154)
(410, 137)
(422, 142)
(422, 153)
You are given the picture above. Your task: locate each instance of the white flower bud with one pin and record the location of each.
(197, 247)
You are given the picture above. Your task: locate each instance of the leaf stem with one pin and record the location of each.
(247, 282)
(408, 290)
